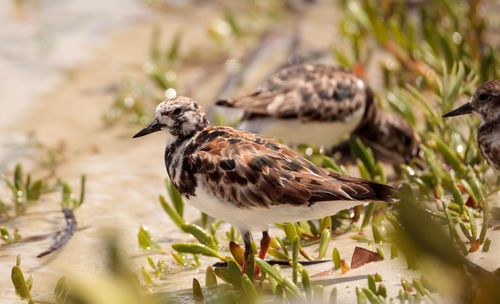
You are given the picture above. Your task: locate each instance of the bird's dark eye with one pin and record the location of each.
(483, 97)
(177, 111)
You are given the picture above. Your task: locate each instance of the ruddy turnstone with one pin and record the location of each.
(320, 104)
(248, 180)
(486, 103)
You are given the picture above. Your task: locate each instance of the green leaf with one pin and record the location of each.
(18, 177)
(229, 276)
(361, 296)
(450, 156)
(306, 283)
(82, 189)
(319, 293)
(147, 276)
(330, 164)
(197, 293)
(248, 287)
(365, 154)
(210, 278)
(175, 197)
(326, 223)
(377, 235)
(333, 296)
(292, 287)
(199, 234)
(61, 290)
(264, 266)
(145, 239)
(29, 282)
(336, 258)
(197, 249)
(484, 227)
(472, 222)
(368, 215)
(176, 218)
(10, 185)
(67, 196)
(371, 283)
(179, 258)
(173, 51)
(154, 49)
(278, 254)
(382, 291)
(5, 235)
(204, 220)
(290, 231)
(323, 242)
(33, 192)
(295, 259)
(249, 271)
(372, 297)
(394, 251)
(20, 285)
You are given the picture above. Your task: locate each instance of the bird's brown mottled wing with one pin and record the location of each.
(311, 92)
(250, 170)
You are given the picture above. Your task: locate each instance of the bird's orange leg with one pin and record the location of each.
(264, 246)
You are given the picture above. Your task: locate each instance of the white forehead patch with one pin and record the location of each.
(162, 107)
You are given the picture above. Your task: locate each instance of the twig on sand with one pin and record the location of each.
(65, 235)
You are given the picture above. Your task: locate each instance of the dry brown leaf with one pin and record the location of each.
(363, 256)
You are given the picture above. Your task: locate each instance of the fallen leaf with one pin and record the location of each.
(323, 273)
(363, 256)
(474, 247)
(345, 267)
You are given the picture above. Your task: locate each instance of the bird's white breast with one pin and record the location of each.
(296, 131)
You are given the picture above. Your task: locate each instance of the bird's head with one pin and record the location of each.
(180, 116)
(485, 102)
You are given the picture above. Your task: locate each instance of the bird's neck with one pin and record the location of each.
(176, 145)
(178, 166)
(372, 121)
(378, 129)
(488, 127)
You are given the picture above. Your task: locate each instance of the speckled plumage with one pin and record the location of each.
(306, 91)
(486, 104)
(328, 103)
(248, 180)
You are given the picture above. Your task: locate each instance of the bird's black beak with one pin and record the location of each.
(465, 109)
(152, 127)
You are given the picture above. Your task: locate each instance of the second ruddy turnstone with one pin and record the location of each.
(320, 104)
(486, 103)
(248, 180)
